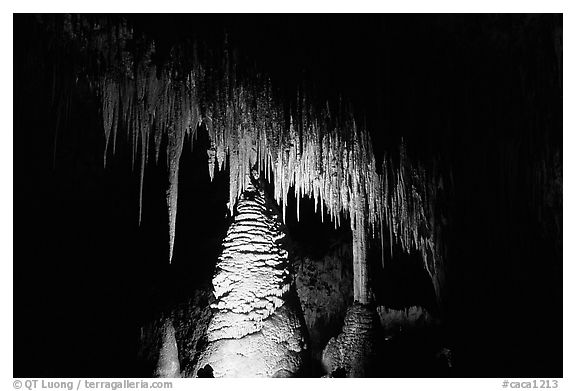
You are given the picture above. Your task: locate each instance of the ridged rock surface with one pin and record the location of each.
(351, 354)
(256, 330)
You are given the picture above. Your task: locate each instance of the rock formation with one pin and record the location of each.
(351, 354)
(168, 364)
(256, 330)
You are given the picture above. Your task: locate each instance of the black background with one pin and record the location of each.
(457, 86)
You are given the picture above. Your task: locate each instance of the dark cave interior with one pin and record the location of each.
(484, 92)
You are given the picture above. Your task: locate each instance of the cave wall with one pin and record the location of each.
(324, 286)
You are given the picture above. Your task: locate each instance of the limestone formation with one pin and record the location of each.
(256, 330)
(352, 353)
(168, 363)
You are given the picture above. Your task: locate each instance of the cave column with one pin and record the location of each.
(359, 253)
(352, 352)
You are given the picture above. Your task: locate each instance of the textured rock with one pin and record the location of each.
(276, 350)
(256, 329)
(189, 321)
(324, 285)
(168, 364)
(352, 353)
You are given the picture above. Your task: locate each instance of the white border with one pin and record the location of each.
(6, 164)
(291, 6)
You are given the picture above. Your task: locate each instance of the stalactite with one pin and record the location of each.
(320, 151)
(411, 211)
(175, 143)
(245, 127)
(151, 107)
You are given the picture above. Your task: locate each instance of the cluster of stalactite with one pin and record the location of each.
(152, 107)
(312, 145)
(317, 149)
(413, 212)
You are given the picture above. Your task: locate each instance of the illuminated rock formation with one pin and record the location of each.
(256, 330)
(168, 363)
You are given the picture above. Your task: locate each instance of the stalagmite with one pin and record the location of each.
(255, 330)
(168, 364)
(353, 350)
